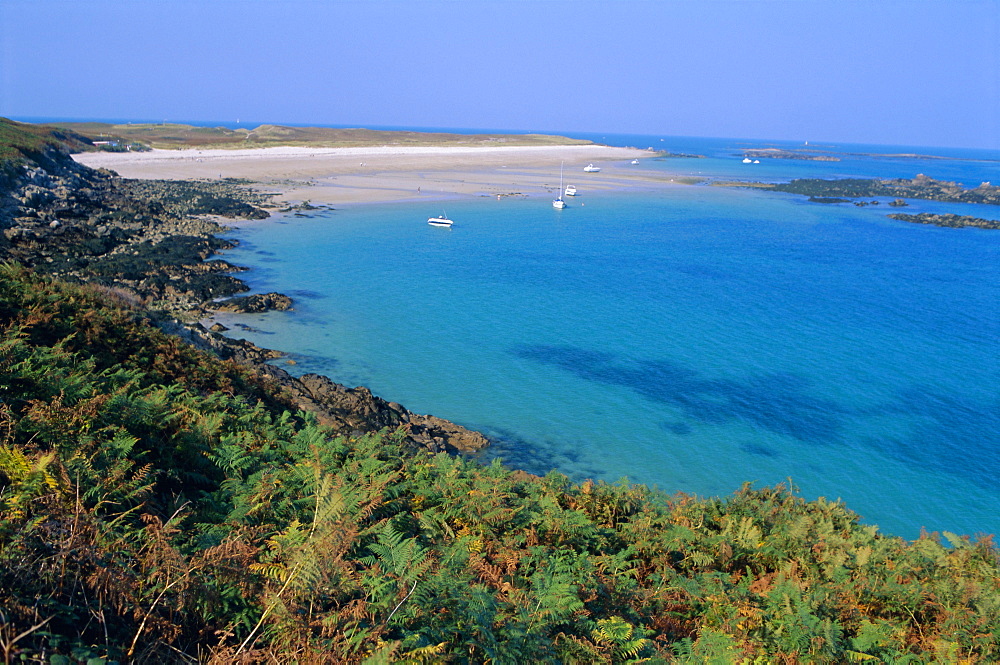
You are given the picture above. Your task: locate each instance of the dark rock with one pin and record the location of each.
(827, 199)
(948, 220)
(778, 153)
(920, 187)
(260, 302)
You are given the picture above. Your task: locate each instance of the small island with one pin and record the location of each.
(677, 155)
(920, 187)
(948, 220)
(778, 153)
(846, 190)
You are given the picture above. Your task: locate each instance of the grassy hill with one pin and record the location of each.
(170, 135)
(21, 141)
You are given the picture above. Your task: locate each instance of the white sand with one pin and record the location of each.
(390, 173)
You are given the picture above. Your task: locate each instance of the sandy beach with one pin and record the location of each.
(337, 176)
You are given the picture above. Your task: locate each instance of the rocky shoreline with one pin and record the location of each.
(151, 242)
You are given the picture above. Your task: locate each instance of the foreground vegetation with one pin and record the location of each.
(159, 505)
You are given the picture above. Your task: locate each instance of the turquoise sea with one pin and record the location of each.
(688, 337)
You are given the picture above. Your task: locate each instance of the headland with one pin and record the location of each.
(158, 504)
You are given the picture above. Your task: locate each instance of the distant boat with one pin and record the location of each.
(756, 161)
(571, 191)
(590, 168)
(558, 201)
(440, 221)
(635, 161)
(747, 160)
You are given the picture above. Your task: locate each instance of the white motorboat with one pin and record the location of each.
(590, 168)
(558, 202)
(440, 221)
(635, 161)
(570, 191)
(747, 160)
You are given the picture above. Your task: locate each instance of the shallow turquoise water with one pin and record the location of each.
(691, 338)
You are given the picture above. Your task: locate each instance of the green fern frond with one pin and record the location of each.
(274, 571)
(615, 630)
(429, 654)
(14, 464)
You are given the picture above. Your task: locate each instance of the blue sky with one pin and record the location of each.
(916, 72)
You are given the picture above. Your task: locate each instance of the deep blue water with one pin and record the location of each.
(688, 337)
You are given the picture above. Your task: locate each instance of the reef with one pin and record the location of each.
(920, 187)
(949, 220)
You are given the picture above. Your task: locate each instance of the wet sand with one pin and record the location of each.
(379, 174)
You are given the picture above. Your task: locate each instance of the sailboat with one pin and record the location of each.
(558, 201)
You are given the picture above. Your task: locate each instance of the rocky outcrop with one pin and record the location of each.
(920, 187)
(348, 410)
(356, 409)
(152, 238)
(259, 302)
(827, 199)
(949, 220)
(778, 153)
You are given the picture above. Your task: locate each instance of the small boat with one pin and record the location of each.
(558, 202)
(590, 168)
(440, 221)
(570, 191)
(635, 161)
(747, 160)
(756, 161)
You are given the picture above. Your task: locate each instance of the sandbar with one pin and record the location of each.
(337, 176)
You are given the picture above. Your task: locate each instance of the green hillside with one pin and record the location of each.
(158, 505)
(20, 142)
(173, 135)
